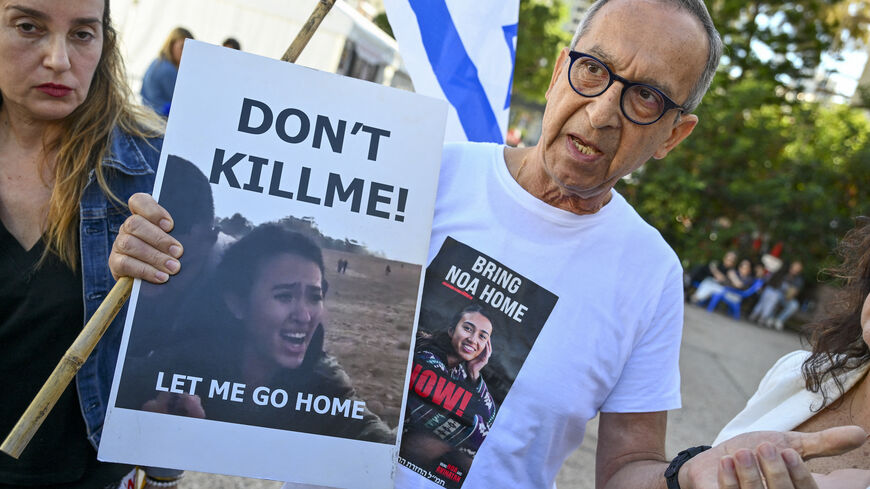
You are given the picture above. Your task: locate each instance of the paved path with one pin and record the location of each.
(721, 361)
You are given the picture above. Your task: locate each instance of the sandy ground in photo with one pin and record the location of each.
(369, 323)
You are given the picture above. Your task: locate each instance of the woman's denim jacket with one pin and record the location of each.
(130, 167)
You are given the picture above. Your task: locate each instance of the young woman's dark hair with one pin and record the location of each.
(475, 307)
(836, 338)
(241, 263)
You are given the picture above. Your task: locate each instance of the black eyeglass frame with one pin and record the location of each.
(626, 84)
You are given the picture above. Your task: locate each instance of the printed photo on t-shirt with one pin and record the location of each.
(478, 321)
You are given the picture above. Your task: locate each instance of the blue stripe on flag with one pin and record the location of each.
(510, 32)
(455, 71)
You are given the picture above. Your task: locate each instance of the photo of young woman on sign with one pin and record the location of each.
(263, 363)
(450, 410)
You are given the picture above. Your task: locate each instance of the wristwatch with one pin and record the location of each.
(673, 471)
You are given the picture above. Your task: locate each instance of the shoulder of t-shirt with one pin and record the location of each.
(633, 228)
(464, 162)
(466, 153)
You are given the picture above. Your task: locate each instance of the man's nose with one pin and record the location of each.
(57, 55)
(604, 110)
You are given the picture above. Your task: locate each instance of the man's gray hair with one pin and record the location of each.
(714, 43)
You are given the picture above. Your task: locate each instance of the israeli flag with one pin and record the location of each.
(461, 51)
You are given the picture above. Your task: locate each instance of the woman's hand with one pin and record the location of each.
(143, 248)
(767, 467)
(480, 361)
(782, 469)
(702, 470)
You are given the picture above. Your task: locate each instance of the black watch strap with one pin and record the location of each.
(673, 471)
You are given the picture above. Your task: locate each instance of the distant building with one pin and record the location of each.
(347, 42)
(863, 85)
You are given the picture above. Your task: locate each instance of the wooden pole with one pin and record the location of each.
(323, 7)
(84, 344)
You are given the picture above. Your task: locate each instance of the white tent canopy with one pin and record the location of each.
(264, 27)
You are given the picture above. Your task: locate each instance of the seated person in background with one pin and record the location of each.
(827, 387)
(714, 273)
(745, 275)
(739, 278)
(782, 288)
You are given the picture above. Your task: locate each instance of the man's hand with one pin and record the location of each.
(143, 248)
(702, 471)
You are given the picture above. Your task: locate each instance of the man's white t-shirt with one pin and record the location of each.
(612, 341)
(610, 344)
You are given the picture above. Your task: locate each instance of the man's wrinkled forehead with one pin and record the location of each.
(657, 33)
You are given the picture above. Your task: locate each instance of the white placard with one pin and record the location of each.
(353, 166)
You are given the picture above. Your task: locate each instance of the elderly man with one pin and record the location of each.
(621, 94)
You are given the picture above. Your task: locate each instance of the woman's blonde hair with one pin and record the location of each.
(84, 138)
(166, 49)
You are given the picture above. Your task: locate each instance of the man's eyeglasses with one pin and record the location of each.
(640, 103)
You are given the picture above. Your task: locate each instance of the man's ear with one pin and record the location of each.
(679, 131)
(234, 304)
(557, 70)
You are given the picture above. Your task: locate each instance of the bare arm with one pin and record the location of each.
(714, 270)
(734, 279)
(631, 451)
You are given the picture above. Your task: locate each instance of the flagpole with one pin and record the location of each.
(87, 340)
(323, 7)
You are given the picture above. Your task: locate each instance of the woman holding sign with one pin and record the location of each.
(73, 148)
(450, 410)
(262, 362)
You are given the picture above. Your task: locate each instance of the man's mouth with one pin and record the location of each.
(587, 150)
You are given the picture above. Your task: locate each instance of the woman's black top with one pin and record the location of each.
(41, 313)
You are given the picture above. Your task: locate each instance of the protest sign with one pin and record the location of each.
(469, 300)
(304, 202)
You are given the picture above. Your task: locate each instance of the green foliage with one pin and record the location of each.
(791, 173)
(239, 226)
(540, 36)
(784, 40)
(765, 164)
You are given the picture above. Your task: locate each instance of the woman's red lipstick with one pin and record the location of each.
(54, 90)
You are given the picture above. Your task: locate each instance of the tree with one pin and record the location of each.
(766, 164)
(540, 36)
(236, 226)
(757, 172)
(784, 41)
